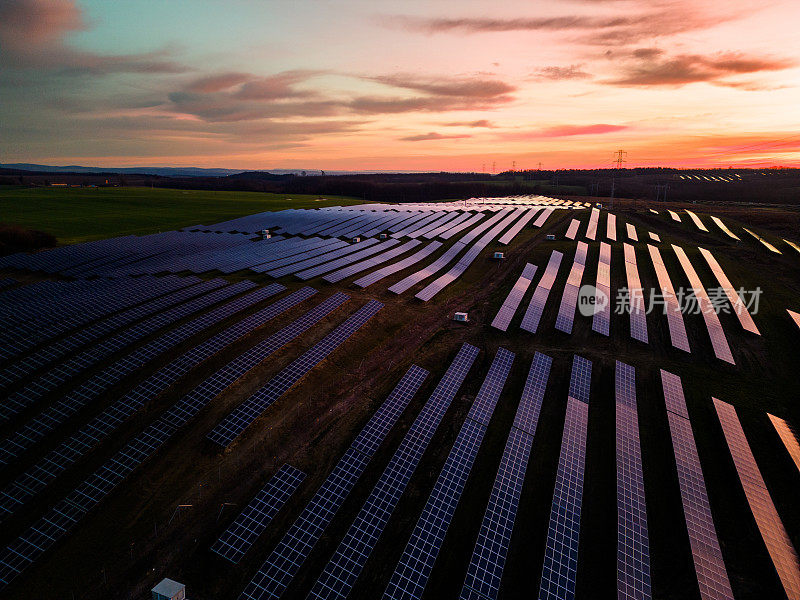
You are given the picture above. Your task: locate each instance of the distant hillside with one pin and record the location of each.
(162, 171)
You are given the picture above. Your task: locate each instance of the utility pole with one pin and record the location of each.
(619, 159)
(513, 165)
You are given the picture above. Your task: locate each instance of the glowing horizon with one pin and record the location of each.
(442, 85)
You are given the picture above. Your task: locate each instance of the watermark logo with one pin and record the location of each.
(591, 300)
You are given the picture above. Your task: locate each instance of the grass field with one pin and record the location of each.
(83, 214)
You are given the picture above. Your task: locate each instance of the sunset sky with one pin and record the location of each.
(412, 85)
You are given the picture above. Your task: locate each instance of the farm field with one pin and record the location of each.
(76, 215)
(145, 341)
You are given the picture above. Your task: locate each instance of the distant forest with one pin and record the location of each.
(773, 186)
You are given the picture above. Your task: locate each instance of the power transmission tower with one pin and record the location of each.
(540, 165)
(619, 158)
(513, 165)
(493, 166)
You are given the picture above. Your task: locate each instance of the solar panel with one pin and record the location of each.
(104, 424)
(70, 510)
(792, 244)
(677, 329)
(240, 535)
(533, 314)
(601, 320)
(637, 310)
(569, 299)
(631, 232)
(591, 228)
(778, 543)
(368, 263)
(240, 418)
(416, 563)
(561, 551)
(485, 569)
(766, 244)
(344, 567)
(543, 217)
(572, 230)
(69, 404)
(795, 316)
(611, 227)
(674, 215)
(466, 260)
(697, 221)
(451, 231)
(788, 437)
(708, 562)
(718, 341)
(512, 301)
(633, 548)
(286, 559)
(736, 301)
(509, 235)
(654, 236)
(434, 267)
(375, 276)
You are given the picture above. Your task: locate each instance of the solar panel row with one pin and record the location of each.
(766, 244)
(697, 221)
(419, 255)
(533, 314)
(296, 267)
(197, 298)
(708, 562)
(569, 299)
(631, 232)
(543, 217)
(243, 415)
(601, 320)
(637, 309)
(572, 230)
(718, 341)
(769, 523)
(466, 260)
(69, 511)
(611, 227)
(105, 423)
(591, 228)
(346, 260)
(368, 263)
(348, 560)
(509, 235)
(677, 329)
(280, 567)
(450, 232)
(633, 546)
(788, 437)
(512, 301)
(736, 301)
(240, 535)
(724, 228)
(561, 550)
(485, 570)
(416, 563)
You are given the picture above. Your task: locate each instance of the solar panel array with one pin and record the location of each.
(724, 228)
(633, 546)
(416, 563)
(345, 260)
(611, 227)
(348, 560)
(708, 562)
(296, 267)
(533, 314)
(766, 244)
(637, 309)
(561, 550)
(677, 329)
(697, 221)
(102, 426)
(451, 231)
(466, 260)
(601, 320)
(718, 341)
(778, 543)
(591, 228)
(569, 300)
(736, 301)
(509, 235)
(371, 262)
(485, 569)
(572, 230)
(512, 301)
(67, 405)
(654, 236)
(419, 255)
(675, 216)
(240, 535)
(240, 418)
(282, 565)
(543, 217)
(66, 513)
(631, 232)
(788, 437)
